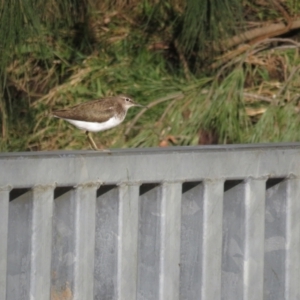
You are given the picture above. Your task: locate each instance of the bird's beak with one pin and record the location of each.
(140, 105)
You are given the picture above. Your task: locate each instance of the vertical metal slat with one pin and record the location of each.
(212, 239)
(63, 244)
(106, 244)
(4, 200)
(191, 240)
(128, 241)
(41, 240)
(292, 263)
(275, 239)
(170, 241)
(149, 242)
(85, 205)
(255, 194)
(19, 246)
(233, 243)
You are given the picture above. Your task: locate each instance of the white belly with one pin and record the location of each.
(94, 126)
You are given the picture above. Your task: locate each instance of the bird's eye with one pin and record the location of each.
(127, 99)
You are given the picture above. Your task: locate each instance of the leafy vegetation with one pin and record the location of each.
(210, 71)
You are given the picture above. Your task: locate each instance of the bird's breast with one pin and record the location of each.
(96, 126)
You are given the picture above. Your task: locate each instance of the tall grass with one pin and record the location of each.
(254, 98)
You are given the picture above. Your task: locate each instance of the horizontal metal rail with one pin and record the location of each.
(184, 223)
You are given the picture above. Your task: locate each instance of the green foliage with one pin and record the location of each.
(226, 114)
(68, 52)
(209, 21)
(25, 24)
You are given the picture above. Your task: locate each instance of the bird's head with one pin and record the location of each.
(129, 102)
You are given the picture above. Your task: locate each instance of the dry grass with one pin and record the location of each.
(253, 97)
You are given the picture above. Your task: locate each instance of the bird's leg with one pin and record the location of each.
(93, 144)
(91, 141)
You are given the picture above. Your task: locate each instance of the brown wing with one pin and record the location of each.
(93, 111)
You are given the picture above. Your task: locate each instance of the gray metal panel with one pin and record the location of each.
(19, 247)
(106, 243)
(243, 240)
(72, 168)
(85, 214)
(212, 239)
(170, 242)
(191, 241)
(41, 242)
(254, 238)
(4, 199)
(165, 243)
(149, 242)
(233, 247)
(292, 267)
(74, 243)
(63, 245)
(275, 222)
(128, 241)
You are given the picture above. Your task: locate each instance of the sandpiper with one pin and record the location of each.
(97, 115)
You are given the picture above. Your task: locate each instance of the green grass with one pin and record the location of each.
(208, 103)
(183, 109)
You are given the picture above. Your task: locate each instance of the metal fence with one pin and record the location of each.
(165, 224)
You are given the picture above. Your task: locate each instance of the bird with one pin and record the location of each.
(97, 115)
